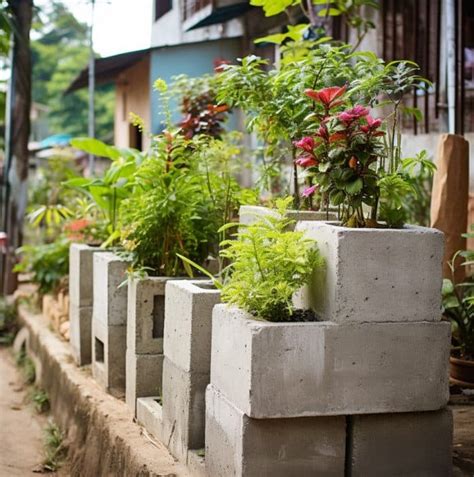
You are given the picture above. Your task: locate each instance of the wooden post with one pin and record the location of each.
(449, 203)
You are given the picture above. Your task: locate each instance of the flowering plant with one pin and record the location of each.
(343, 158)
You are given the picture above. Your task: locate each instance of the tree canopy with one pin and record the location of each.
(59, 52)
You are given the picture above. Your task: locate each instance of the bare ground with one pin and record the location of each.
(21, 428)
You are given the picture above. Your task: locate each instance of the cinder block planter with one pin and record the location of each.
(248, 214)
(81, 300)
(283, 370)
(406, 444)
(375, 275)
(145, 334)
(186, 368)
(109, 321)
(237, 445)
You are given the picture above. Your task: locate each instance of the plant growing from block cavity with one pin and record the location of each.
(268, 264)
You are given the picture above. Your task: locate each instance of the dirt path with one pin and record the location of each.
(21, 434)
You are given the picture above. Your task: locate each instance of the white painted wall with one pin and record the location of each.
(168, 30)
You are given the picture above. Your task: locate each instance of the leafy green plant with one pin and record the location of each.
(8, 322)
(268, 264)
(458, 305)
(107, 191)
(54, 446)
(40, 400)
(47, 263)
(26, 365)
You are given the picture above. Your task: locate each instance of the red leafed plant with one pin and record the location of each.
(341, 157)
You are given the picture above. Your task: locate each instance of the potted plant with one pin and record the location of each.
(183, 191)
(278, 366)
(93, 230)
(458, 307)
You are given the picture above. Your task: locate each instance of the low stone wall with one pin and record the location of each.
(102, 436)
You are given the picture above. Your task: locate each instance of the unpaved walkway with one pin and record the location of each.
(21, 434)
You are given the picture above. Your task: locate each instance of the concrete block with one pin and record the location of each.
(406, 444)
(149, 415)
(108, 356)
(80, 333)
(146, 315)
(248, 214)
(237, 445)
(110, 299)
(196, 463)
(143, 376)
(270, 370)
(374, 275)
(184, 409)
(80, 273)
(188, 323)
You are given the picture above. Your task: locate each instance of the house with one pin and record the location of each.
(189, 35)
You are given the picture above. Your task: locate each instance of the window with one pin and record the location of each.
(162, 7)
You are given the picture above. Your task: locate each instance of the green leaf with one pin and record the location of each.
(95, 147)
(331, 12)
(354, 187)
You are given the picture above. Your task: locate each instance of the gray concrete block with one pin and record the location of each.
(237, 445)
(188, 323)
(248, 214)
(374, 275)
(110, 299)
(197, 463)
(271, 370)
(149, 415)
(146, 315)
(108, 356)
(143, 376)
(80, 333)
(184, 409)
(407, 444)
(80, 274)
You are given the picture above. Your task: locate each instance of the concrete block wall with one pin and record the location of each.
(109, 321)
(81, 300)
(145, 333)
(186, 367)
(377, 361)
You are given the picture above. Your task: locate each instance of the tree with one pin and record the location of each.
(59, 54)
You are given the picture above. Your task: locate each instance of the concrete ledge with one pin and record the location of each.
(103, 438)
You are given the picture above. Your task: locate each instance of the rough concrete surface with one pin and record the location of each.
(374, 275)
(404, 444)
(463, 442)
(237, 445)
(272, 370)
(21, 438)
(104, 440)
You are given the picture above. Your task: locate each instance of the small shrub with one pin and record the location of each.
(55, 448)
(8, 324)
(40, 400)
(26, 365)
(269, 263)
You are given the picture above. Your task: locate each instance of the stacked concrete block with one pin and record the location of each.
(376, 364)
(186, 367)
(81, 300)
(109, 321)
(146, 318)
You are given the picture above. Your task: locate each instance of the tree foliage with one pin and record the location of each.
(58, 54)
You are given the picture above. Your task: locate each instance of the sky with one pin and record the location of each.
(119, 25)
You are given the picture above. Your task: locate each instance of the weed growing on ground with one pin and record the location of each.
(55, 448)
(26, 365)
(40, 400)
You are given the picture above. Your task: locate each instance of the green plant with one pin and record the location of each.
(458, 305)
(107, 191)
(268, 264)
(8, 323)
(26, 365)
(48, 264)
(55, 448)
(40, 400)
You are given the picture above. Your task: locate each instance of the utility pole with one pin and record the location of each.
(91, 130)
